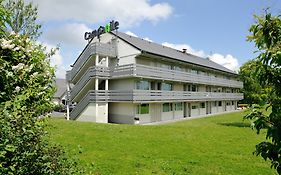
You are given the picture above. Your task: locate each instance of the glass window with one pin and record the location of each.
(167, 66)
(220, 104)
(193, 88)
(177, 68)
(178, 106)
(143, 85)
(194, 71)
(193, 107)
(167, 86)
(143, 109)
(202, 105)
(232, 102)
(167, 107)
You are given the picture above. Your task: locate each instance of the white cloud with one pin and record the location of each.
(71, 34)
(131, 34)
(147, 39)
(56, 61)
(127, 12)
(188, 48)
(227, 61)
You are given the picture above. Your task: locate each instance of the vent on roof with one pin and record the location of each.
(183, 50)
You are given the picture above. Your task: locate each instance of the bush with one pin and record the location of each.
(26, 91)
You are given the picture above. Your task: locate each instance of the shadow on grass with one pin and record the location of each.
(237, 124)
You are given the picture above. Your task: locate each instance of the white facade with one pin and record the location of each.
(116, 81)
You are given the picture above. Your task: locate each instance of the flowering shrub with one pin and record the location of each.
(26, 91)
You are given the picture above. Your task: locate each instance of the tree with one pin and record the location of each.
(266, 34)
(23, 18)
(254, 92)
(26, 91)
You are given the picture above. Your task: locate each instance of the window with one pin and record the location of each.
(142, 85)
(178, 106)
(167, 107)
(194, 71)
(220, 104)
(193, 107)
(202, 105)
(177, 68)
(167, 86)
(143, 109)
(193, 88)
(167, 66)
(214, 103)
(232, 102)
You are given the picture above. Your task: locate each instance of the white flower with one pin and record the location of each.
(17, 89)
(16, 48)
(10, 74)
(6, 44)
(18, 67)
(34, 74)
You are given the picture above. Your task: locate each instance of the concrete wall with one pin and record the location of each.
(178, 114)
(121, 113)
(126, 53)
(121, 84)
(177, 87)
(88, 114)
(194, 112)
(167, 116)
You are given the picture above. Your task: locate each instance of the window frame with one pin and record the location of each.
(139, 109)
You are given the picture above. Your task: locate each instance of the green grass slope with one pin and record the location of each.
(220, 144)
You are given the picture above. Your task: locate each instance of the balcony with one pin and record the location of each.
(93, 48)
(158, 96)
(150, 72)
(92, 72)
(148, 96)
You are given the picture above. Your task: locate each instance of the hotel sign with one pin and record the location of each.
(113, 25)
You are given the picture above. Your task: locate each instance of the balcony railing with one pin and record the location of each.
(172, 75)
(92, 49)
(95, 71)
(158, 96)
(137, 96)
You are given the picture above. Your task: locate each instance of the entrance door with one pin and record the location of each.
(155, 112)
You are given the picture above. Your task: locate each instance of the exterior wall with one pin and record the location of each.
(88, 114)
(201, 88)
(167, 116)
(194, 112)
(121, 84)
(177, 87)
(178, 114)
(126, 53)
(121, 113)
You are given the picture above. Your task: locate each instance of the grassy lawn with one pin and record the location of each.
(220, 144)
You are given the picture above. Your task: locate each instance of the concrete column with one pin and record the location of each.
(97, 60)
(67, 100)
(106, 84)
(96, 84)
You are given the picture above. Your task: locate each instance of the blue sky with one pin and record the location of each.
(215, 28)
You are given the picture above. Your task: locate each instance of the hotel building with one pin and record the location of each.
(119, 78)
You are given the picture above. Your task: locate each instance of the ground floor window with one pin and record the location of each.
(143, 109)
(220, 103)
(194, 107)
(202, 105)
(178, 106)
(167, 107)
